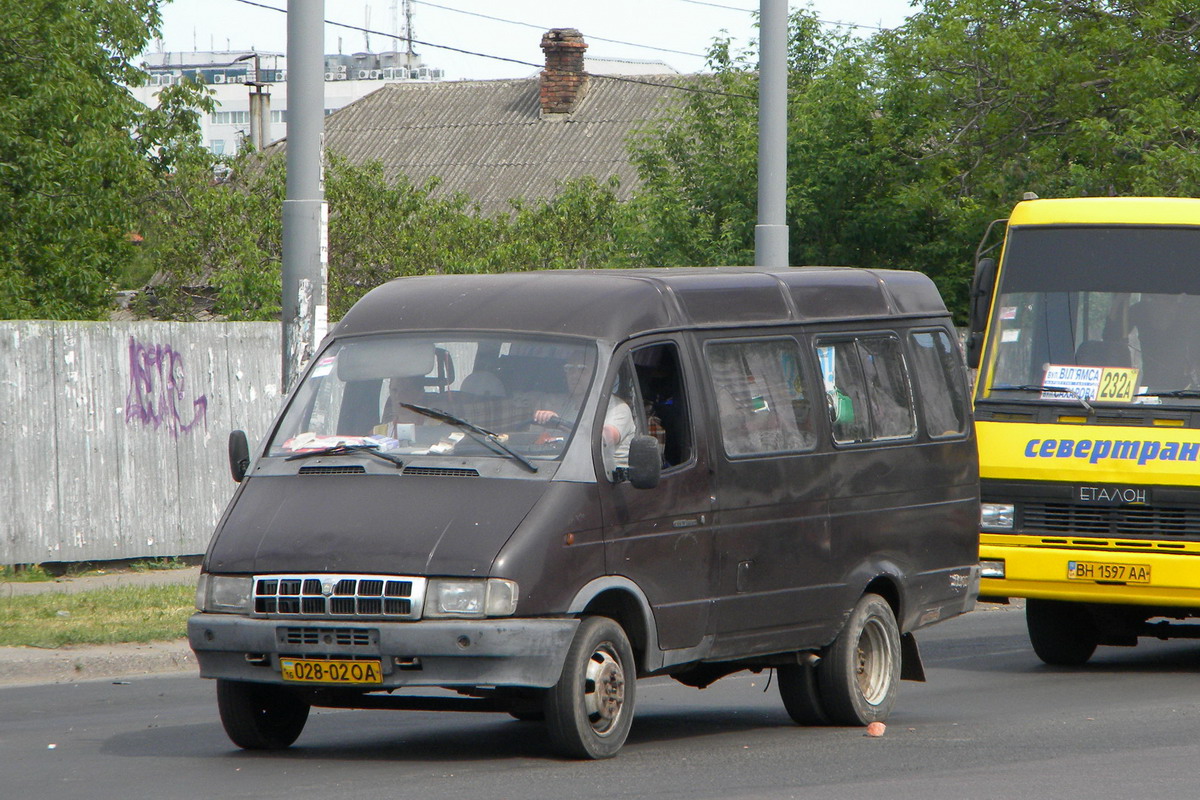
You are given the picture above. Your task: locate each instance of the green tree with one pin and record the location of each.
(76, 150)
(847, 202)
(216, 242)
(904, 146)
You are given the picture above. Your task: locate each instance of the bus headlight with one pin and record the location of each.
(454, 597)
(991, 568)
(996, 516)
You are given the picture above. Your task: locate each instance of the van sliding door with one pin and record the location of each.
(772, 545)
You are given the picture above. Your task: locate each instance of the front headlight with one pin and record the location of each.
(456, 597)
(224, 594)
(996, 516)
(992, 568)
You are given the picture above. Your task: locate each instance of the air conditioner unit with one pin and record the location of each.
(219, 77)
(363, 73)
(329, 76)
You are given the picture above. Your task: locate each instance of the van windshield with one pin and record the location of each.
(378, 391)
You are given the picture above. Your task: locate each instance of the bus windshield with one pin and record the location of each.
(1100, 313)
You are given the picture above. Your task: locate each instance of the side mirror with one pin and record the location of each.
(980, 303)
(645, 462)
(239, 455)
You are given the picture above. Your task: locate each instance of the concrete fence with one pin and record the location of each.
(113, 436)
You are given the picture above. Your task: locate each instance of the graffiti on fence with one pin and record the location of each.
(158, 388)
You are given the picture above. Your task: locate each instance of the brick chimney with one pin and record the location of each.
(563, 82)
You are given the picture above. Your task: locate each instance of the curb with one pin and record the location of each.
(32, 666)
(29, 666)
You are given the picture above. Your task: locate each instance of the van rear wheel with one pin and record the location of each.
(590, 709)
(801, 695)
(1062, 634)
(260, 716)
(859, 674)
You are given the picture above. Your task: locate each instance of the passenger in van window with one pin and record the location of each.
(404, 389)
(619, 430)
(576, 376)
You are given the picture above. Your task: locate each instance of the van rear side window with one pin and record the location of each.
(935, 362)
(867, 389)
(763, 403)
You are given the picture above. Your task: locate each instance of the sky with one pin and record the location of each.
(675, 31)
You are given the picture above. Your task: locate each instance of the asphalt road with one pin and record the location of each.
(992, 722)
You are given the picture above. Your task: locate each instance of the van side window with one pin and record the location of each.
(660, 381)
(937, 365)
(867, 389)
(763, 403)
(888, 387)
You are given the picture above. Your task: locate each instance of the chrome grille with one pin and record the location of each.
(1127, 521)
(339, 596)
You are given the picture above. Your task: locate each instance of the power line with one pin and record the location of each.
(590, 37)
(754, 11)
(621, 79)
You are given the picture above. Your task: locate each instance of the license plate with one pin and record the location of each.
(309, 670)
(1096, 571)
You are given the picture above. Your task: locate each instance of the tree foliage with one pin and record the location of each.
(901, 148)
(904, 146)
(222, 238)
(75, 150)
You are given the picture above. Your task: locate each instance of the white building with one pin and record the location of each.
(233, 75)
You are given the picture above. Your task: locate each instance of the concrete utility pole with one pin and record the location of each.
(305, 214)
(771, 232)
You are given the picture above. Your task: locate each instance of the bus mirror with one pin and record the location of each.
(239, 455)
(980, 302)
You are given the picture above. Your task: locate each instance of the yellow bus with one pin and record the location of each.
(1086, 337)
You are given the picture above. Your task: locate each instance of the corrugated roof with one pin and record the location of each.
(489, 140)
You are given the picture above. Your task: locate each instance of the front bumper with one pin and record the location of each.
(1034, 568)
(451, 653)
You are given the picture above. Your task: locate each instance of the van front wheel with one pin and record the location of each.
(859, 674)
(590, 709)
(260, 716)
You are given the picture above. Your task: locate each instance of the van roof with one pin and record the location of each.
(614, 304)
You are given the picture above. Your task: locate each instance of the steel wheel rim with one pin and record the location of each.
(604, 689)
(873, 666)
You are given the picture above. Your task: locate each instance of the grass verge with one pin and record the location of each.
(117, 615)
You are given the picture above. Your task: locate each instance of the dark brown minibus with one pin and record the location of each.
(522, 492)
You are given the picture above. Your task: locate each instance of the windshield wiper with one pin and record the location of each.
(349, 449)
(1032, 387)
(1171, 393)
(481, 435)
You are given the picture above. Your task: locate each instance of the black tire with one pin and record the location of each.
(801, 695)
(260, 716)
(590, 709)
(1062, 634)
(859, 674)
(528, 716)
